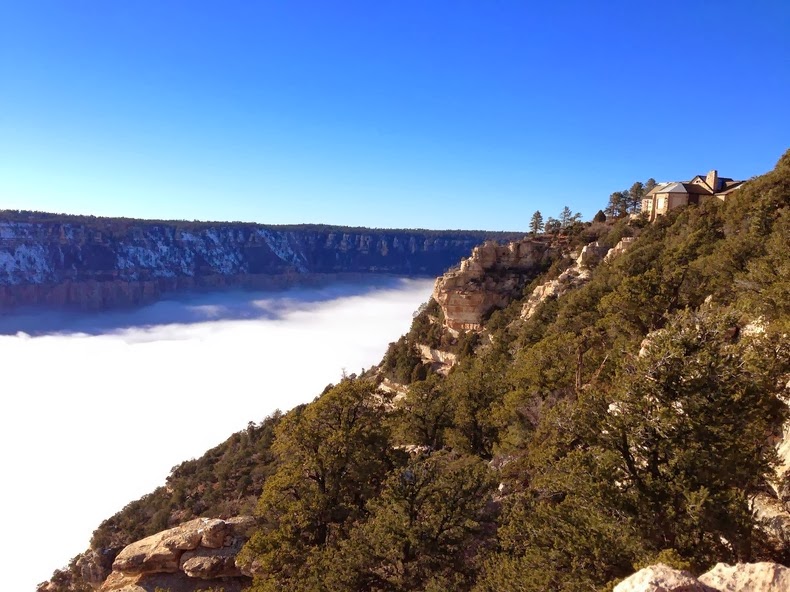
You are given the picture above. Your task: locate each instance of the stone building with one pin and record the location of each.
(668, 196)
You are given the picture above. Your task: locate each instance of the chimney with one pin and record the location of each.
(712, 180)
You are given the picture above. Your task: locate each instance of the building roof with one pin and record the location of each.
(730, 186)
(724, 186)
(673, 188)
(657, 189)
(698, 189)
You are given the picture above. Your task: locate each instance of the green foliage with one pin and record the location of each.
(424, 528)
(552, 225)
(475, 388)
(334, 455)
(628, 201)
(402, 363)
(689, 421)
(563, 534)
(424, 414)
(536, 222)
(627, 422)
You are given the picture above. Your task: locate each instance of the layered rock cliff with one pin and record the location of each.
(197, 555)
(96, 263)
(494, 275)
(489, 279)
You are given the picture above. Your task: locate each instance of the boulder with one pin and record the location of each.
(748, 577)
(441, 361)
(197, 555)
(619, 248)
(591, 255)
(661, 578)
(743, 577)
(210, 564)
(118, 582)
(773, 519)
(160, 552)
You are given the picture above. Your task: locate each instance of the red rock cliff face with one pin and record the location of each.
(489, 280)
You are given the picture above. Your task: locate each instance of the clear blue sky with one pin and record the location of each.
(381, 113)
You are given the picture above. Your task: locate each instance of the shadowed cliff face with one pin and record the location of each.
(108, 263)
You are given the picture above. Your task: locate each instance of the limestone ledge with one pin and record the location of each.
(199, 554)
(489, 279)
(743, 577)
(575, 276)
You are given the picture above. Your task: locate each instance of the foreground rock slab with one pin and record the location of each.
(748, 577)
(743, 577)
(197, 555)
(661, 578)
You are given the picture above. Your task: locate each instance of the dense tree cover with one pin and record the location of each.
(119, 226)
(628, 201)
(611, 451)
(334, 456)
(625, 422)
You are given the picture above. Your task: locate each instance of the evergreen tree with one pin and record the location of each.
(618, 205)
(688, 420)
(334, 456)
(565, 216)
(424, 529)
(536, 223)
(553, 226)
(635, 195)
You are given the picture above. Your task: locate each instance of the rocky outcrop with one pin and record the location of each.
(772, 507)
(748, 577)
(96, 263)
(661, 578)
(773, 518)
(440, 361)
(743, 577)
(576, 275)
(199, 554)
(619, 248)
(490, 279)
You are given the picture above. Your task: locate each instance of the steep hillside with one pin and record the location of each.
(591, 411)
(98, 263)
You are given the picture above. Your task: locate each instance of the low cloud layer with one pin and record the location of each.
(98, 408)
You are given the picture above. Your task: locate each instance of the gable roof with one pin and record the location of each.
(730, 186)
(698, 189)
(674, 188)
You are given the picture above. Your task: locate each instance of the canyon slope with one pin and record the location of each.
(88, 263)
(565, 411)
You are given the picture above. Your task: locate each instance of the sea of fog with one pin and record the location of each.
(98, 408)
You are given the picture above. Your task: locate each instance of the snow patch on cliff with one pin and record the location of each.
(159, 257)
(25, 264)
(282, 245)
(157, 262)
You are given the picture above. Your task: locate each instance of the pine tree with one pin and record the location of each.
(536, 223)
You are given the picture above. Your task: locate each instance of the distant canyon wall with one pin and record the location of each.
(107, 263)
